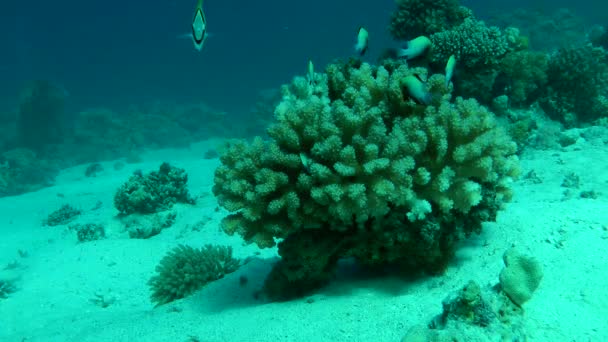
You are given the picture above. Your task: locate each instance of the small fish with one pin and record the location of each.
(311, 73)
(362, 41)
(306, 163)
(416, 89)
(415, 48)
(449, 69)
(199, 27)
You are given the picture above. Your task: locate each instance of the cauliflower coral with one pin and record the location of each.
(355, 167)
(578, 85)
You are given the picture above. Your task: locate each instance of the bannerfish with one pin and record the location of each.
(362, 41)
(199, 27)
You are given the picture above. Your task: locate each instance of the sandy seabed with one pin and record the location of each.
(97, 291)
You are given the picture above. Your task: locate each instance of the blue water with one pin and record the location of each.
(116, 53)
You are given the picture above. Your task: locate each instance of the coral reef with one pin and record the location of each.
(22, 171)
(185, 269)
(146, 226)
(153, 192)
(490, 61)
(520, 277)
(88, 231)
(63, 215)
(485, 314)
(414, 18)
(577, 85)
(357, 168)
(479, 50)
(522, 77)
(468, 305)
(472, 43)
(521, 127)
(473, 314)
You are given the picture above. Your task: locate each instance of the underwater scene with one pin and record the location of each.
(219, 171)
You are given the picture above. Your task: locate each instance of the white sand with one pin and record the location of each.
(59, 277)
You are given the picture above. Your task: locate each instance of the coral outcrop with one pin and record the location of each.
(356, 167)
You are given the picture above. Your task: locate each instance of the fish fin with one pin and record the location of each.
(448, 81)
(427, 99)
(360, 50)
(419, 78)
(403, 53)
(184, 36)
